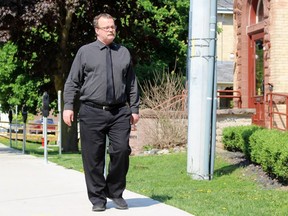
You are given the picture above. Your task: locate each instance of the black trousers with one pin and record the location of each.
(95, 124)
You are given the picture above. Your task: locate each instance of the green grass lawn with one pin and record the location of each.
(229, 193)
(164, 178)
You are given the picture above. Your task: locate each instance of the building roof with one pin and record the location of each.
(225, 6)
(225, 71)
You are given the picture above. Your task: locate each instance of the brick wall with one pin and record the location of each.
(278, 25)
(147, 126)
(231, 117)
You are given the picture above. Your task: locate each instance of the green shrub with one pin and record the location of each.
(269, 148)
(246, 134)
(237, 138)
(231, 139)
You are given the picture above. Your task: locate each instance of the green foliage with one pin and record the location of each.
(48, 34)
(8, 63)
(17, 87)
(231, 139)
(44, 33)
(219, 29)
(269, 148)
(262, 146)
(157, 37)
(237, 138)
(146, 73)
(37, 30)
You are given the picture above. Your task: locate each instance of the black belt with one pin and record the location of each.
(103, 107)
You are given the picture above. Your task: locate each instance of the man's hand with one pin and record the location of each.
(68, 117)
(134, 118)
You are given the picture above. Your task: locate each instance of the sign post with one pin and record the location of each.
(24, 115)
(45, 113)
(10, 115)
(16, 125)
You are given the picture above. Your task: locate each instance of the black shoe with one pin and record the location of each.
(120, 203)
(99, 207)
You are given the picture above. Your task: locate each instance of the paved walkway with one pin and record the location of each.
(31, 187)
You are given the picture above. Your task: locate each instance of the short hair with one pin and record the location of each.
(96, 18)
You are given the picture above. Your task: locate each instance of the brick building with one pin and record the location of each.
(261, 58)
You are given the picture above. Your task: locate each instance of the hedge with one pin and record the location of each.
(268, 148)
(237, 138)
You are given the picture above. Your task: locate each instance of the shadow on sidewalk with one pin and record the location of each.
(136, 202)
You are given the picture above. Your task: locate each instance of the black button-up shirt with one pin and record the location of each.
(88, 76)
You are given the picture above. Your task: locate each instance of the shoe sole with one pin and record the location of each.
(119, 207)
(98, 209)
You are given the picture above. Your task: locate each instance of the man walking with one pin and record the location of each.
(102, 75)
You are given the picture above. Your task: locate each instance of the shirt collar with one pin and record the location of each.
(102, 45)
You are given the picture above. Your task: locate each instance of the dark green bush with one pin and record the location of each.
(269, 148)
(246, 134)
(237, 138)
(230, 139)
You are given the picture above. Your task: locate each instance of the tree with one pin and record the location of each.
(41, 31)
(16, 86)
(48, 33)
(156, 33)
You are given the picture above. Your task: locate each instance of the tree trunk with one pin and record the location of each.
(70, 138)
(69, 134)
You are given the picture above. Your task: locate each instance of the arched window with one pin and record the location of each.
(260, 12)
(256, 12)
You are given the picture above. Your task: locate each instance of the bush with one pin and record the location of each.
(170, 129)
(269, 149)
(237, 138)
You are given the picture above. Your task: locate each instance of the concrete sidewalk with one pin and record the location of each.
(31, 187)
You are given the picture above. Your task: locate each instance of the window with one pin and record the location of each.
(256, 12)
(260, 11)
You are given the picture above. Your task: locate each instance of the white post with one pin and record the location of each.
(24, 116)
(10, 134)
(105, 159)
(24, 138)
(201, 97)
(10, 115)
(16, 126)
(59, 123)
(45, 139)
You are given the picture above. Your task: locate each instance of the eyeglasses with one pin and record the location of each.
(107, 28)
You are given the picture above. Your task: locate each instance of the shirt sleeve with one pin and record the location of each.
(73, 83)
(132, 91)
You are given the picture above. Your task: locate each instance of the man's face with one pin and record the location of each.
(106, 30)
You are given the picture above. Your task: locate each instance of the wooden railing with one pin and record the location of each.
(232, 96)
(178, 102)
(32, 133)
(274, 100)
